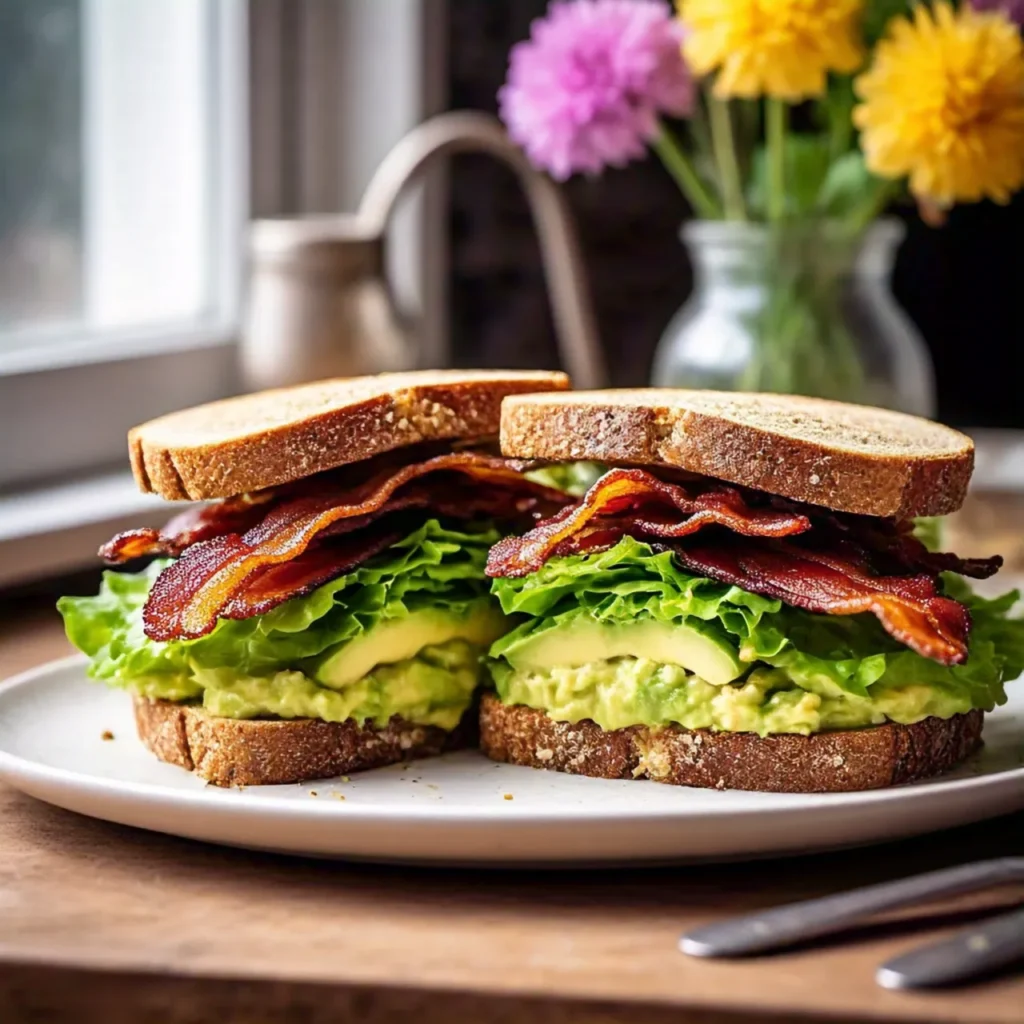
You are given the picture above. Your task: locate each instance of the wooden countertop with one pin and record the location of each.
(100, 922)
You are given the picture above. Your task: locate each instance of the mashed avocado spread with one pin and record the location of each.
(402, 634)
(432, 688)
(625, 637)
(638, 691)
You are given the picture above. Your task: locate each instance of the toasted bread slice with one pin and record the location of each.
(254, 441)
(264, 752)
(848, 458)
(828, 762)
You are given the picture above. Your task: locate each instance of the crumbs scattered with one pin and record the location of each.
(106, 735)
(313, 792)
(338, 796)
(508, 796)
(345, 778)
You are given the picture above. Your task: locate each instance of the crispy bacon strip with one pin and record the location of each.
(897, 545)
(279, 583)
(238, 515)
(650, 507)
(270, 586)
(235, 515)
(214, 575)
(209, 521)
(604, 533)
(909, 608)
(893, 546)
(809, 558)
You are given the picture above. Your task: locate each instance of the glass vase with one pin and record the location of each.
(804, 309)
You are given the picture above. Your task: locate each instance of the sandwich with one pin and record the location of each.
(322, 606)
(743, 600)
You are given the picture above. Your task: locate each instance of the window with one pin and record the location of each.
(41, 158)
(124, 183)
(126, 165)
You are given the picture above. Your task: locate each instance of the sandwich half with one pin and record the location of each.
(325, 608)
(743, 600)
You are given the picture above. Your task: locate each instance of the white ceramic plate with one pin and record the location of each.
(462, 808)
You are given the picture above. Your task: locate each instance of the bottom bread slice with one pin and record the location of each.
(828, 762)
(262, 752)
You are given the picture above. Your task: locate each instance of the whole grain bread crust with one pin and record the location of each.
(828, 762)
(263, 752)
(844, 457)
(262, 440)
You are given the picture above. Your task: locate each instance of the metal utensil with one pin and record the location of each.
(988, 946)
(809, 919)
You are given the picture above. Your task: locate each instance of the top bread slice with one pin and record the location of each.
(269, 438)
(848, 458)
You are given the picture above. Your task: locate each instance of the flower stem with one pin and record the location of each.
(724, 145)
(878, 199)
(775, 132)
(838, 109)
(679, 165)
(698, 128)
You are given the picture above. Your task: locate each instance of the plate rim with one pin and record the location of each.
(450, 814)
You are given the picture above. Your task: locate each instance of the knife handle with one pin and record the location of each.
(809, 919)
(982, 949)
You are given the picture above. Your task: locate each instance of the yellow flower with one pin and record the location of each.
(944, 104)
(780, 48)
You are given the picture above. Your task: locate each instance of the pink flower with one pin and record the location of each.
(585, 91)
(1013, 9)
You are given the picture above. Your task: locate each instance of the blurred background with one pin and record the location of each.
(138, 140)
(961, 285)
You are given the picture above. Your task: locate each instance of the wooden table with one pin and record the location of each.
(101, 923)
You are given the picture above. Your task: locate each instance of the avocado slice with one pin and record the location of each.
(394, 640)
(583, 640)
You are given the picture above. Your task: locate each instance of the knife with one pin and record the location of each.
(796, 922)
(983, 949)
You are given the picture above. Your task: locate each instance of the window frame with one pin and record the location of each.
(295, 76)
(47, 386)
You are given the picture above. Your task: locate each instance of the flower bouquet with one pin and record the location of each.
(789, 125)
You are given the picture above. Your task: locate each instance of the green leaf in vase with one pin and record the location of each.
(847, 185)
(807, 160)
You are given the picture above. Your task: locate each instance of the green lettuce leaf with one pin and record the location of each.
(824, 654)
(433, 566)
(108, 628)
(574, 478)
(928, 530)
(627, 582)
